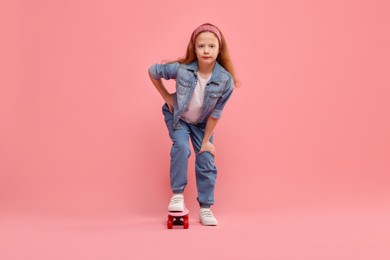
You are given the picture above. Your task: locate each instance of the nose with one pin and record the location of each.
(206, 50)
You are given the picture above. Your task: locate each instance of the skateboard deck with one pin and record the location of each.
(178, 218)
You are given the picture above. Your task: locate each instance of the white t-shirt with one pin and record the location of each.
(194, 108)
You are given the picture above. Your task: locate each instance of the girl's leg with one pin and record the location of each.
(206, 172)
(180, 151)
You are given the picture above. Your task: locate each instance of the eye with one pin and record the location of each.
(212, 46)
(200, 46)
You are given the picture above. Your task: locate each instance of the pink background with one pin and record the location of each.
(302, 149)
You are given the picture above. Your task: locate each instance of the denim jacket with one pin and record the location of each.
(217, 92)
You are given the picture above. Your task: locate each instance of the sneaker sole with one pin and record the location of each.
(176, 209)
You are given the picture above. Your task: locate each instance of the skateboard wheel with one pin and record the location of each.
(169, 224)
(186, 224)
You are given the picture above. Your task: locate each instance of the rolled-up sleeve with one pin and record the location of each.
(165, 71)
(217, 112)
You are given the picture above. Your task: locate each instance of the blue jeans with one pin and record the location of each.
(205, 170)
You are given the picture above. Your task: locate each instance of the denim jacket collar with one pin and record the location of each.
(216, 74)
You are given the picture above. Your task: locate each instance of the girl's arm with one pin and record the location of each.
(168, 97)
(165, 71)
(207, 146)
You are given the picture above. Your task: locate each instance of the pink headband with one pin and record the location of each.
(207, 28)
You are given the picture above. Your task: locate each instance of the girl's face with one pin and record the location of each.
(206, 48)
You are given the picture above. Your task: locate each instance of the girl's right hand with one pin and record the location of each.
(169, 100)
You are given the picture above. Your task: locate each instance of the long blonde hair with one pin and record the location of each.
(223, 57)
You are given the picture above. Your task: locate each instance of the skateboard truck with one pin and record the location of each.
(178, 218)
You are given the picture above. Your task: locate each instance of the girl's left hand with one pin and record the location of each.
(207, 147)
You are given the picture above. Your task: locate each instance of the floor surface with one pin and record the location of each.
(355, 234)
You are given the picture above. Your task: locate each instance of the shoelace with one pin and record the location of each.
(176, 200)
(206, 214)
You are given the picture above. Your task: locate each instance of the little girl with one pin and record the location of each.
(204, 83)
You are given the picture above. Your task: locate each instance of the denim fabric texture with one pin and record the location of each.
(205, 170)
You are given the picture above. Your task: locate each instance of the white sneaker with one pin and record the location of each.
(176, 203)
(207, 218)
